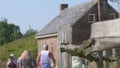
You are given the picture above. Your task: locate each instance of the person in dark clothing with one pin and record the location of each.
(11, 63)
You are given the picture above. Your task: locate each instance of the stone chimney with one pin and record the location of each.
(63, 6)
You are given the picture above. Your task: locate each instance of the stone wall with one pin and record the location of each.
(109, 28)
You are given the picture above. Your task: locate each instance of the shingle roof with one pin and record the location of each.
(68, 16)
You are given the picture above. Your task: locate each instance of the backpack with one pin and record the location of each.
(12, 64)
(27, 63)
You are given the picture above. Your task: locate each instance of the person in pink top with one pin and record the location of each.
(44, 58)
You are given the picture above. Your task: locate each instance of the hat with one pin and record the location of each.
(11, 55)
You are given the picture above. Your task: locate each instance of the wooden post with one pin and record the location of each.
(113, 55)
(105, 63)
(100, 62)
(99, 11)
(59, 57)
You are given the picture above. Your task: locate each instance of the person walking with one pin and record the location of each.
(11, 63)
(26, 61)
(18, 61)
(44, 58)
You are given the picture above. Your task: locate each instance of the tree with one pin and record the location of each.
(9, 32)
(88, 50)
(3, 26)
(30, 32)
(15, 32)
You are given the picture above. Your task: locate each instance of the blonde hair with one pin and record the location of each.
(25, 54)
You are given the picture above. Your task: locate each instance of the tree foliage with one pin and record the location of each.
(30, 32)
(118, 1)
(9, 32)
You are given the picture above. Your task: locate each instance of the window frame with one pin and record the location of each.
(94, 19)
(110, 15)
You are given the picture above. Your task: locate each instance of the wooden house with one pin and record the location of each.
(73, 26)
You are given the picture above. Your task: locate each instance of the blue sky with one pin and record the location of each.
(34, 13)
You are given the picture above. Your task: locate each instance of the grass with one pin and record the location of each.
(17, 47)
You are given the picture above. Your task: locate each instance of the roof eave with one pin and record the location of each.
(45, 36)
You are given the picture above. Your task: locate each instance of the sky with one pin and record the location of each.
(33, 13)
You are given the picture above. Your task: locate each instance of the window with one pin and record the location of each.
(91, 17)
(111, 16)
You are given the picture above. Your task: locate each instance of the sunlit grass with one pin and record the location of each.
(17, 47)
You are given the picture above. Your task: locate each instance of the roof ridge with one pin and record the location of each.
(67, 17)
